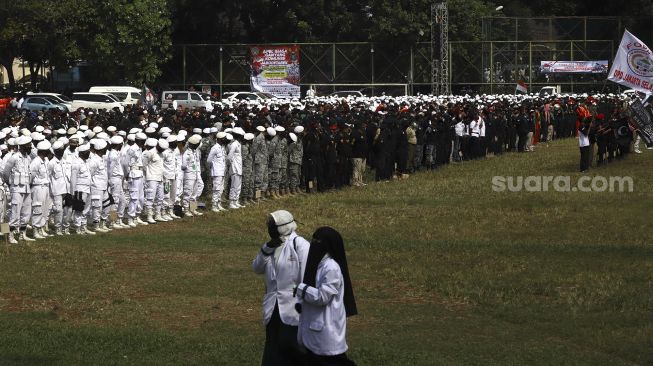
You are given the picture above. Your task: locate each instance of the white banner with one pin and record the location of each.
(569, 67)
(633, 65)
(275, 70)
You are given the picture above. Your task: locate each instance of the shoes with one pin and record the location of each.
(139, 221)
(233, 205)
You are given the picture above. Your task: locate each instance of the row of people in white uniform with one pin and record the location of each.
(74, 184)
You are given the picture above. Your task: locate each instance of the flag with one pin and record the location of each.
(633, 65)
(521, 87)
(147, 97)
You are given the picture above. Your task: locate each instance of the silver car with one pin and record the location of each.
(36, 104)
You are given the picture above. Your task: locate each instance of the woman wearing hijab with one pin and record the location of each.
(282, 260)
(326, 299)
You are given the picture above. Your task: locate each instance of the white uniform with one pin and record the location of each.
(216, 162)
(67, 163)
(235, 159)
(179, 177)
(323, 321)
(169, 178)
(116, 173)
(135, 180)
(16, 173)
(40, 191)
(59, 186)
(193, 185)
(283, 268)
(153, 168)
(80, 181)
(99, 185)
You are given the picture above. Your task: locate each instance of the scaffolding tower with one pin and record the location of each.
(440, 44)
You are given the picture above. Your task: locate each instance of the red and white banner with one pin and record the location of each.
(275, 70)
(633, 65)
(521, 87)
(572, 67)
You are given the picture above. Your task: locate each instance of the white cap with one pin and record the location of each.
(172, 138)
(39, 129)
(122, 133)
(271, 131)
(229, 137)
(260, 128)
(116, 140)
(154, 125)
(90, 134)
(239, 131)
(60, 131)
(85, 147)
(72, 131)
(99, 144)
(25, 132)
(37, 136)
(111, 128)
(97, 129)
(206, 131)
(102, 136)
(293, 137)
(299, 129)
(150, 130)
(165, 130)
(181, 138)
(195, 139)
(183, 133)
(197, 130)
(150, 142)
(131, 137)
(163, 144)
(58, 145)
(44, 145)
(64, 140)
(23, 140)
(83, 127)
(279, 129)
(134, 131)
(214, 129)
(141, 136)
(249, 136)
(221, 135)
(11, 141)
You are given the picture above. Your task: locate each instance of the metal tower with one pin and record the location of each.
(440, 49)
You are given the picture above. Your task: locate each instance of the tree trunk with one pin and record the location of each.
(8, 65)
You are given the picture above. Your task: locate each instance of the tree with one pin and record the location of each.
(128, 40)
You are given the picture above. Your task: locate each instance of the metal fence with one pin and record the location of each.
(511, 49)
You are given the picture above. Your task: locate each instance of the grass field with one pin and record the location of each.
(446, 272)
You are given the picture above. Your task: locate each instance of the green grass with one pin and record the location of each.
(446, 272)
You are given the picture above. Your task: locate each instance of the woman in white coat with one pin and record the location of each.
(282, 261)
(326, 299)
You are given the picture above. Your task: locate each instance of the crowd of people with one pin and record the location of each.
(90, 171)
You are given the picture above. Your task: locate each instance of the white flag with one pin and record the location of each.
(633, 65)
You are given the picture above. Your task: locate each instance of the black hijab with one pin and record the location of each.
(328, 240)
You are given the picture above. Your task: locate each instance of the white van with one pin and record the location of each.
(185, 99)
(128, 95)
(95, 101)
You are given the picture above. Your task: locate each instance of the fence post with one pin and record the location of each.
(571, 55)
(530, 63)
(333, 66)
(491, 68)
(184, 66)
(410, 71)
(372, 65)
(221, 71)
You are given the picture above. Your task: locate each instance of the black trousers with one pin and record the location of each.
(337, 360)
(281, 348)
(585, 158)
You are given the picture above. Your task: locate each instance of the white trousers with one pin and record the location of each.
(40, 207)
(236, 184)
(169, 193)
(21, 209)
(218, 187)
(118, 194)
(97, 198)
(57, 211)
(153, 194)
(136, 197)
(79, 218)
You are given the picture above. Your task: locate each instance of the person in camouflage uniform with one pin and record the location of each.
(273, 163)
(295, 156)
(282, 152)
(208, 141)
(247, 191)
(259, 153)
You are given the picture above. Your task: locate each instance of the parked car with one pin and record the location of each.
(185, 99)
(37, 104)
(128, 95)
(59, 98)
(247, 96)
(95, 101)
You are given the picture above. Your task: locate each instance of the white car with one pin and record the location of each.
(95, 101)
(186, 99)
(246, 96)
(128, 95)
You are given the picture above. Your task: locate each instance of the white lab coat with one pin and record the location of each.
(323, 321)
(283, 272)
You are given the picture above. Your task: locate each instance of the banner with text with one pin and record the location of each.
(633, 65)
(641, 116)
(572, 67)
(275, 70)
